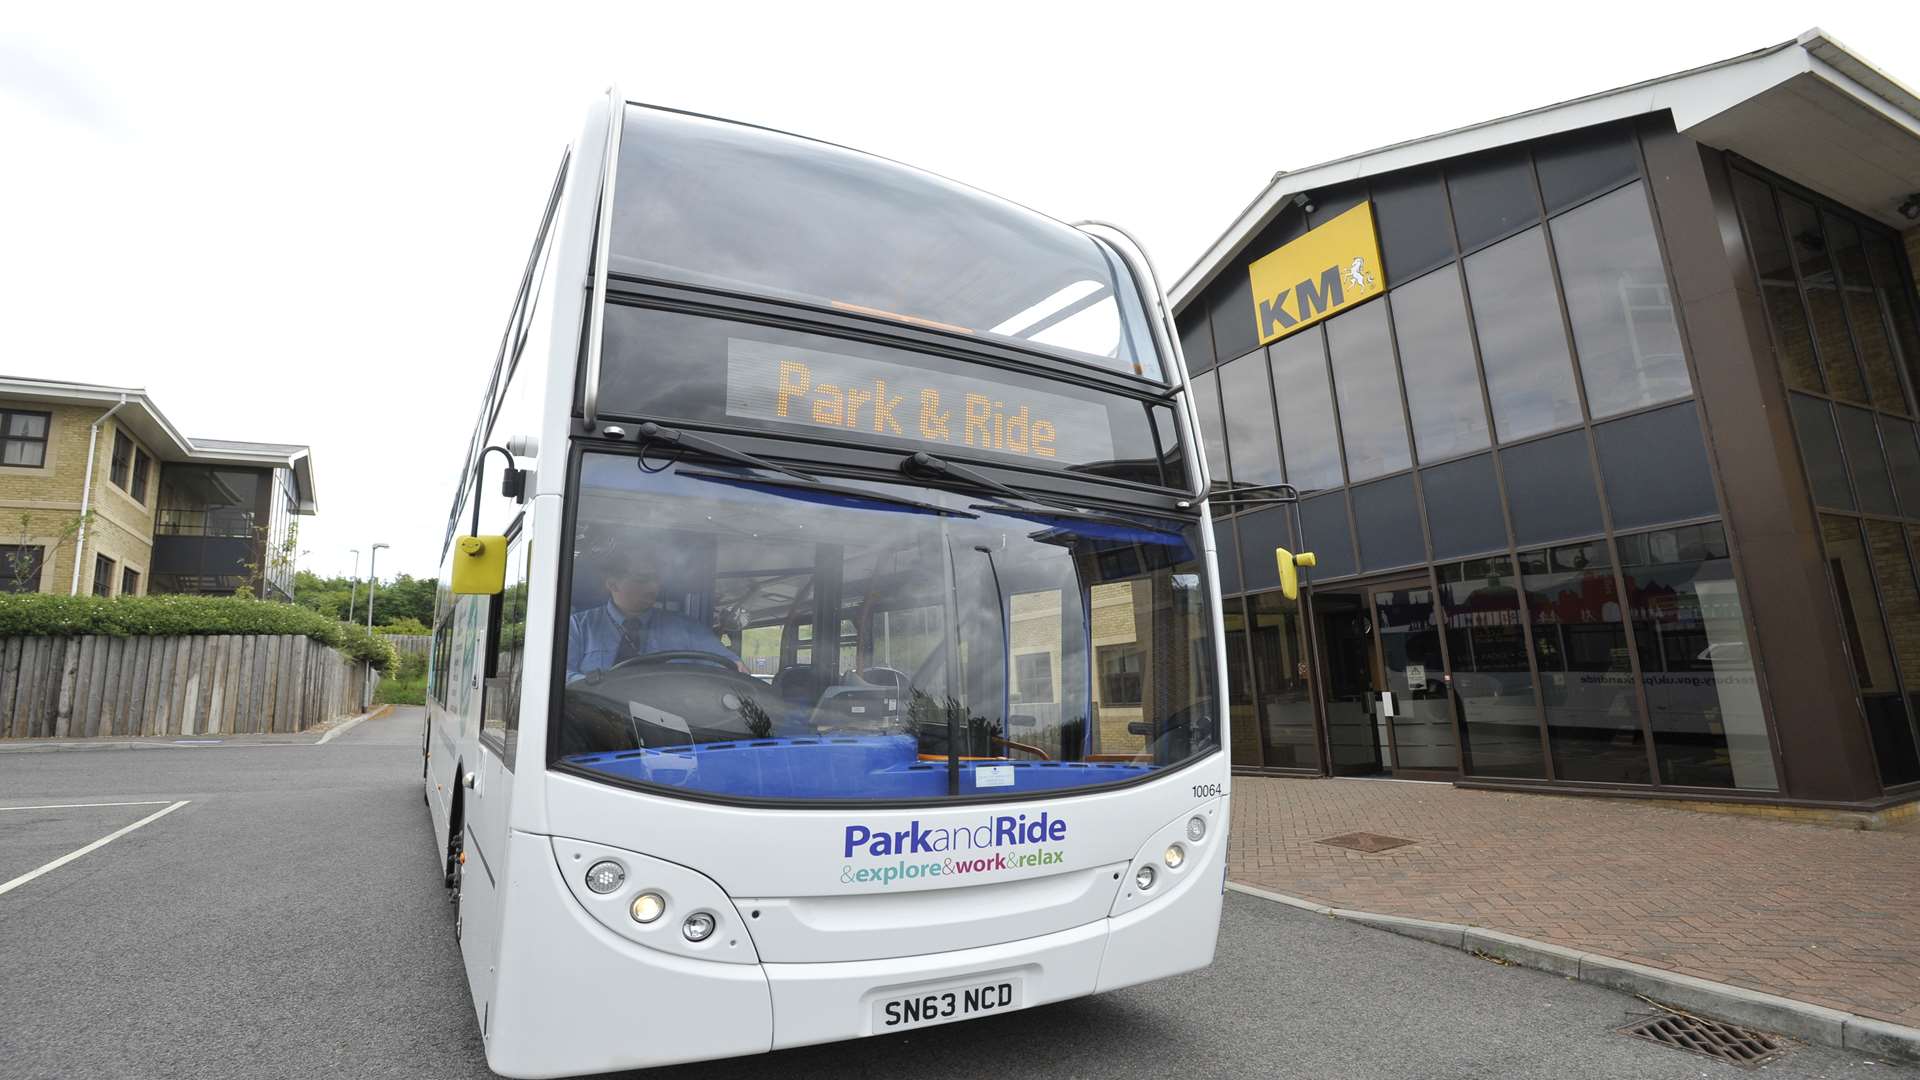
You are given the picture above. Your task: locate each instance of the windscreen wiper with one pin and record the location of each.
(923, 463)
(802, 483)
(654, 433)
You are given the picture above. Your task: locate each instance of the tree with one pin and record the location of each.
(21, 567)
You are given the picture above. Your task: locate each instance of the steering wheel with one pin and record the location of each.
(669, 656)
(886, 676)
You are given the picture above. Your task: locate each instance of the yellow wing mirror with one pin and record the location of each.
(1289, 572)
(479, 565)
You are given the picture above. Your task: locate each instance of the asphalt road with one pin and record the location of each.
(288, 921)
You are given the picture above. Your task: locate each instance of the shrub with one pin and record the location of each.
(40, 615)
(401, 692)
(406, 624)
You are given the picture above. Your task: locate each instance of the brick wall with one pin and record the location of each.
(49, 499)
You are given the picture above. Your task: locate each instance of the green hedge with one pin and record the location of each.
(40, 615)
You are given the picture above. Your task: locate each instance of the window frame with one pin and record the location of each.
(103, 568)
(43, 440)
(120, 459)
(9, 581)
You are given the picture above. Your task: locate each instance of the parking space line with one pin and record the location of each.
(95, 846)
(82, 805)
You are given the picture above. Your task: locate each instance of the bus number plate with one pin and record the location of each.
(947, 1004)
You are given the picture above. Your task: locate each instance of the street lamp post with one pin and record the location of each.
(353, 584)
(373, 581)
(373, 557)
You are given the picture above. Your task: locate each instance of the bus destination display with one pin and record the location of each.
(786, 384)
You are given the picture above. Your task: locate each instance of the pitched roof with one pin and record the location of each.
(135, 409)
(1809, 109)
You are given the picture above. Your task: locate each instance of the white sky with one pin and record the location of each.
(306, 227)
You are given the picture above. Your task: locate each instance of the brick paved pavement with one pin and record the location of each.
(1822, 914)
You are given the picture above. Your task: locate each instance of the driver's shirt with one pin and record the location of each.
(595, 636)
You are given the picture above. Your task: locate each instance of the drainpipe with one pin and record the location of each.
(86, 495)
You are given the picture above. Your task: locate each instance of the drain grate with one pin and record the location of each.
(1710, 1038)
(1365, 841)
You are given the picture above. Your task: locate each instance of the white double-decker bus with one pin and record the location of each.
(827, 639)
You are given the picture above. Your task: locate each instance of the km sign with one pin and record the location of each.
(1330, 268)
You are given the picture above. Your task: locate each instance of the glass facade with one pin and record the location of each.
(1840, 312)
(1485, 433)
(1507, 482)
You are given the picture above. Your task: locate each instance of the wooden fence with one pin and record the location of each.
(82, 687)
(418, 644)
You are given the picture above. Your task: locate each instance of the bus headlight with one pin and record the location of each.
(1144, 878)
(1175, 856)
(1196, 828)
(605, 876)
(698, 927)
(647, 907)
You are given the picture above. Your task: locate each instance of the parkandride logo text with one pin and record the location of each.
(946, 850)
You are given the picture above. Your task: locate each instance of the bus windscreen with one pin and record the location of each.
(728, 206)
(742, 636)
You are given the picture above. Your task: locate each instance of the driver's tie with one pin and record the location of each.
(633, 634)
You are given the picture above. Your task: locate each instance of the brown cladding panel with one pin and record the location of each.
(1816, 714)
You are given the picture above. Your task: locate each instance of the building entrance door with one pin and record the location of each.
(1388, 706)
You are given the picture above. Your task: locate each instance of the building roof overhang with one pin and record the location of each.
(1809, 109)
(135, 409)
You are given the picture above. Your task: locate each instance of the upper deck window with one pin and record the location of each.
(723, 205)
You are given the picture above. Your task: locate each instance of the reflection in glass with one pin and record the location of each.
(1371, 423)
(963, 632)
(1866, 639)
(1792, 340)
(1245, 733)
(1522, 342)
(1463, 507)
(1820, 447)
(1196, 339)
(1492, 195)
(1832, 342)
(1861, 438)
(729, 206)
(1306, 411)
(1261, 531)
(1388, 522)
(1213, 426)
(1226, 550)
(1436, 358)
(1415, 673)
(1586, 677)
(1863, 314)
(1229, 306)
(1550, 489)
(1696, 663)
(1587, 162)
(1903, 460)
(1410, 214)
(1896, 299)
(1654, 467)
(1887, 543)
(1280, 669)
(1618, 300)
(1324, 521)
(1492, 684)
(1249, 417)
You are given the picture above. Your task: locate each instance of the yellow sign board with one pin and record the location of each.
(1330, 269)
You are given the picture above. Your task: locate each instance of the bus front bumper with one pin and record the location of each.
(574, 998)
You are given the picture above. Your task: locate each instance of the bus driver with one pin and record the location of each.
(629, 625)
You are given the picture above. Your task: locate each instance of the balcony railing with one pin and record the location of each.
(171, 521)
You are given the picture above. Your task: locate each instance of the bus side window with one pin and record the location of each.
(506, 645)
